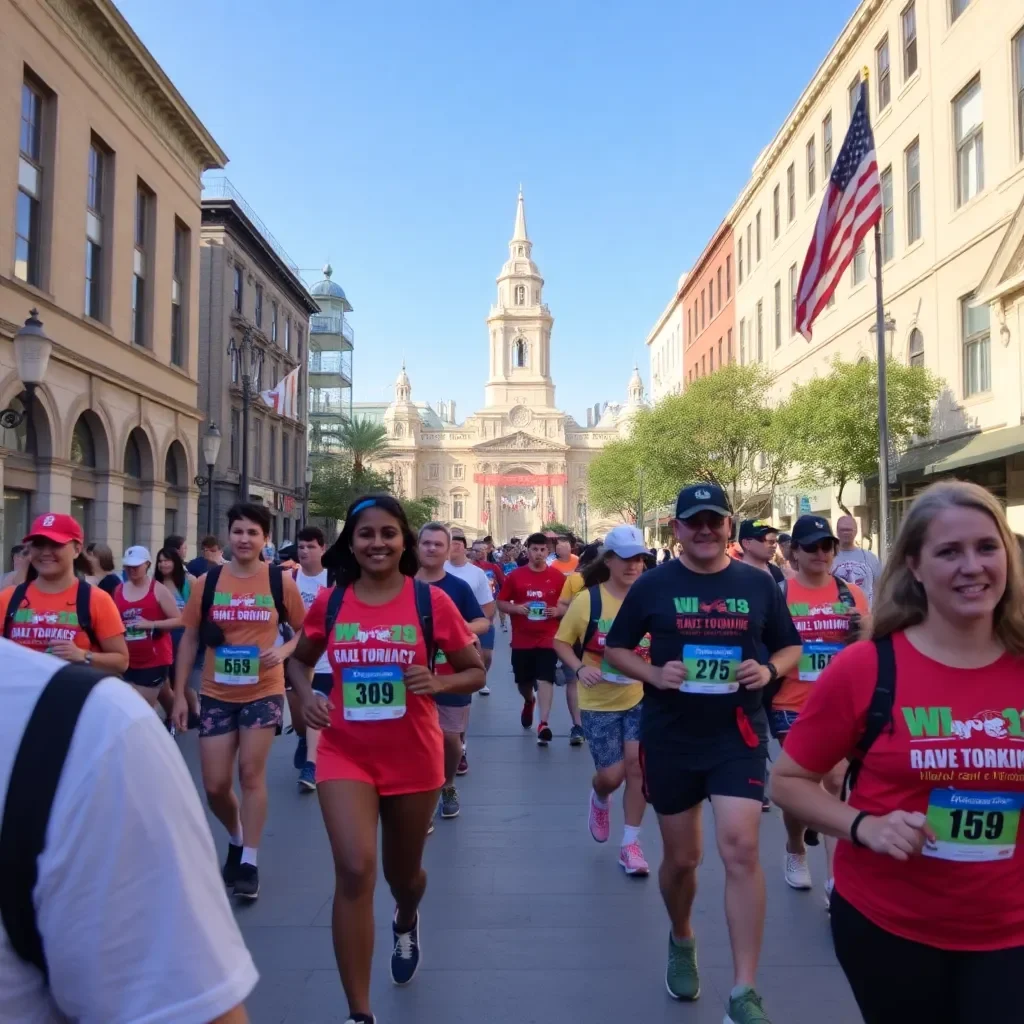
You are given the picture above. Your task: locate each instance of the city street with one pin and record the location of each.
(526, 919)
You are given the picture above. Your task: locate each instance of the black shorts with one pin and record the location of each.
(148, 677)
(531, 664)
(674, 783)
(323, 683)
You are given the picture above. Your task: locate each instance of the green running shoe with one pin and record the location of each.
(681, 977)
(745, 1008)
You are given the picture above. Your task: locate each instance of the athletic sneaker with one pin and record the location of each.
(829, 886)
(798, 874)
(526, 718)
(307, 777)
(599, 823)
(463, 767)
(405, 957)
(362, 1018)
(576, 736)
(300, 754)
(681, 977)
(430, 827)
(484, 691)
(247, 881)
(766, 804)
(746, 1008)
(631, 860)
(449, 802)
(543, 734)
(230, 870)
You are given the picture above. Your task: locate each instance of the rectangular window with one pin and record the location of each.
(273, 321)
(739, 256)
(854, 91)
(711, 360)
(702, 309)
(967, 132)
(760, 330)
(888, 217)
(743, 341)
(728, 345)
(460, 472)
(237, 297)
(826, 145)
(750, 252)
(272, 457)
(728, 280)
(257, 449)
(179, 292)
(259, 306)
(432, 471)
(287, 334)
(975, 327)
(458, 507)
(703, 366)
(860, 264)
(908, 26)
(236, 435)
(912, 161)
(719, 278)
(956, 8)
(778, 314)
(299, 470)
(812, 176)
(757, 221)
(793, 279)
(1018, 86)
(720, 363)
(776, 212)
(95, 207)
(286, 450)
(790, 193)
(882, 73)
(28, 213)
(144, 220)
(711, 299)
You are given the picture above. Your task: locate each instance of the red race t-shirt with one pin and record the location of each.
(537, 590)
(957, 754)
(376, 721)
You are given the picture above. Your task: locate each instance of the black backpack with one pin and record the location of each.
(82, 609)
(211, 634)
(595, 618)
(883, 701)
(424, 611)
(35, 775)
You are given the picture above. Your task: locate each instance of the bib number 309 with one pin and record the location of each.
(973, 827)
(711, 669)
(373, 694)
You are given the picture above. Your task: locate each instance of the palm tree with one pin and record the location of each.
(364, 440)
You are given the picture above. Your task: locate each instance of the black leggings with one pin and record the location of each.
(896, 981)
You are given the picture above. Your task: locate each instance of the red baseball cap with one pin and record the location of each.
(61, 529)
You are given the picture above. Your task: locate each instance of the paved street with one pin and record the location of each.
(526, 919)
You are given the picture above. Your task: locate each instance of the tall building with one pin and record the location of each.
(664, 346)
(946, 98)
(253, 313)
(331, 341)
(709, 308)
(519, 461)
(99, 231)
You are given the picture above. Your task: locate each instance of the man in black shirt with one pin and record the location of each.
(759, 541)
(720, 632)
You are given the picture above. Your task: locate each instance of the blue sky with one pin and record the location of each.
(390, 137)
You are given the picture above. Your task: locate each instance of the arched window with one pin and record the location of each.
(519, 353)
(171, 469)
(915, 348)
(83, 447)
(520, 295)
(133, 458)
(522, 251)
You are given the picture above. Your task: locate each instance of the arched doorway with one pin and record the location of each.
(519, 503)
(90, 458)
(137, 467)
(176, 499)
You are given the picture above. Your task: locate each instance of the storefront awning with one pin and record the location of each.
(949, 456)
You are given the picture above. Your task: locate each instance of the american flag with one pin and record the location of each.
(284, 398)
(853, 204)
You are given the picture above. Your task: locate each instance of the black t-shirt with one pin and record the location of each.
(109, 583)
(740, 611)
(777, 574)
(469, 608)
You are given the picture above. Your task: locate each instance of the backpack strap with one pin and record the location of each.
(883, 701)
(425, 611)
(845, 594)
(334, 603)
(209, 589)
(14, 606)
(83, 608)
(595, 614)
(277, 592)
(31, 789)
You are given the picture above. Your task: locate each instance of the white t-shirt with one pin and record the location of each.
(309, 587)
(860, 567)
(130, 903)
(477, 580)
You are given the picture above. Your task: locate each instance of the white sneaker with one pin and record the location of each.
(798, 874)
(829, 886)
(484, 691)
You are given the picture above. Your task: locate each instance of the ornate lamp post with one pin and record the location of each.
(32, 348)
(211, 449)
(249, 358)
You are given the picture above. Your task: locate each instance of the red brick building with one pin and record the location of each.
(708, 308)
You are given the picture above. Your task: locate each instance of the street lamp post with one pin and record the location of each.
(211, 449)
(309, 483)
(884, 329)
(32, 348)
(250, 363)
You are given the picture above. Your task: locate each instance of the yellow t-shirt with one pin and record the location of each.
(610, 696)
(573, 585)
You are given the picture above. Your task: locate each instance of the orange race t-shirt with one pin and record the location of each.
(244, 609)
(44, 619)
(823, 622)
(568, 566)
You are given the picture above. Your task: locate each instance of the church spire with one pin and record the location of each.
(519, 234)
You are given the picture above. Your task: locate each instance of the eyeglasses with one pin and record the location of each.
(712, 520)
(822, 545)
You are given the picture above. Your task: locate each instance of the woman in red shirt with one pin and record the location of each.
(381, 749)
(928, 907)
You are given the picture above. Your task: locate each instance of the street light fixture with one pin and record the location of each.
(32, 348)
(249, 358)
(211, 449)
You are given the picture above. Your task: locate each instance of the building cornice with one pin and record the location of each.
(106, 36)
(709, 250)
(823, 78)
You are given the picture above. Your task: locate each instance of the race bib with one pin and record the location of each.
(134, 633)
(372, 694)
(711, 669)
(236, 666)
(972, 826)
(609, 675)
(536, 611)
(814, 659)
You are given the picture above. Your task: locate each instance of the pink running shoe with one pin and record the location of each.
(600, 823)
(631, 858)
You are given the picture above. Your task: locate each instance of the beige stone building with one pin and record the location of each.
(100, 169)
(946, 93)
(664, 346)
(519, 461)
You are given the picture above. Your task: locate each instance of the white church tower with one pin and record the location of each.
(520, 331)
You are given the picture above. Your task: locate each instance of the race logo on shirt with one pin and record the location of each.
(366, 646)
(242, 607)
(724, 615)
(39, 629)
(952, 761)
(827, 617)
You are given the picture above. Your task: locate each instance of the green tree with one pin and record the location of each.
(420, 510)
(363, 440)
(555, 527)
(616, 485)
(336, 485)
(833, 420)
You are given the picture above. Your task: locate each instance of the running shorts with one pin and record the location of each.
(147, 677)
(220, 717)
(530, 664)
(674, 783)
(487, 640)
(608, 732)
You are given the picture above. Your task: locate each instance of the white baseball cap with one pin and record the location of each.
(136, 555)
(625, 541)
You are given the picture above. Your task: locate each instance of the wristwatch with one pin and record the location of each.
(87, 660)
(773, 674)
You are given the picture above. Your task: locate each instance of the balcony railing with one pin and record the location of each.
(331, 362)
(321, 323)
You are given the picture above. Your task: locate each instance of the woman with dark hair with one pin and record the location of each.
(380, 754)
(171, 572)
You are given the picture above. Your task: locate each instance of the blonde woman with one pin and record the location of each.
(928, 908)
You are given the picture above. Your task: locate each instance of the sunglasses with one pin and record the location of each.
(710, 519)
(821, 545)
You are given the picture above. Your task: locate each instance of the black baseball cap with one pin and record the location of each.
(756, 529)
(702, 498)
(811, 529)
(784, 538)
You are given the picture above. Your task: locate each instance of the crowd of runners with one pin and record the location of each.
(896, 695)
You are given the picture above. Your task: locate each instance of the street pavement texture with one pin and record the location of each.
(526, 919)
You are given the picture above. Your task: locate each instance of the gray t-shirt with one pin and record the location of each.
(860, 567)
